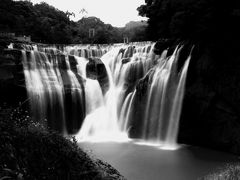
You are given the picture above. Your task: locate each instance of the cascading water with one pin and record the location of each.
(164, 101)
(55, 93)
(141, 95)
(101, 124)
(86, 51)
(45, 89)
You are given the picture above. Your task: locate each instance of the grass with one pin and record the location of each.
(228, 172)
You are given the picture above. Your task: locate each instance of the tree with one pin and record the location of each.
(69, 14)
(192, 19)
(43, 22)
(83, 12)
(103, 33)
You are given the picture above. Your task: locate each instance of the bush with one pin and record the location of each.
(30, 151)
(229, 172)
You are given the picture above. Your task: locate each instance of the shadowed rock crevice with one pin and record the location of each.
(210, 115)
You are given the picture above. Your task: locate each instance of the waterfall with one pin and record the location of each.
(164, 101)
(86, 51)
(54, 91)
(101, 124)
(108, 93)
(44, 88)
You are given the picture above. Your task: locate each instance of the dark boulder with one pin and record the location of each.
(96, 70)
(72, 63)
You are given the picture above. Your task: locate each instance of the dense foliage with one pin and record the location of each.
(46, 24)
(43, 22)
(29, 151)
(103, 33)
(136, 31)
(193, 19)
(229, 172)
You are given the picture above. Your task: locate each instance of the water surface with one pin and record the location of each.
(140, 162)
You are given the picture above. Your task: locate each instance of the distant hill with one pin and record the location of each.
(135, 31)
(135, 24)
(42, 22)
(93, 30)
(46, 24)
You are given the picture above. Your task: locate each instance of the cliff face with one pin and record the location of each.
(11, 77)
(210, 115)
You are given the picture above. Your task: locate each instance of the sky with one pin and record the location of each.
(114, 12)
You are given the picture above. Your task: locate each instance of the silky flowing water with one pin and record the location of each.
(62, 90)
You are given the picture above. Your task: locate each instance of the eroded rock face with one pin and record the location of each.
(73, 63)
(11, 77)
(96, 70)
(144, 84)
(139, 107)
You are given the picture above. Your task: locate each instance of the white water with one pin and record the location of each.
(44, 88)
(101, 124)
(86, 51)
(109, 116)
(164, 101)
(164, 98)
(81, 67)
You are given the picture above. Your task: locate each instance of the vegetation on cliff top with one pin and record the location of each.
(46, 24)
